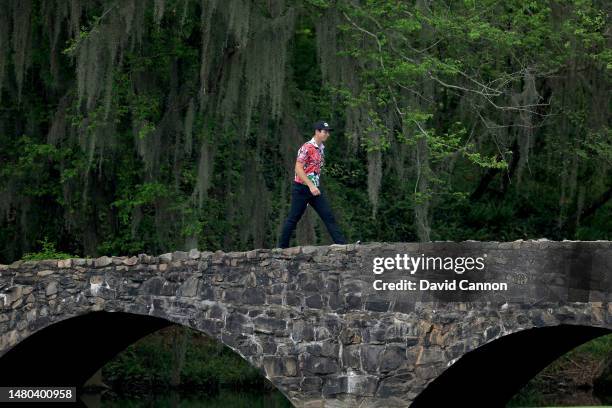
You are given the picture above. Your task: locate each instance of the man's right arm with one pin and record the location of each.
(299, 170)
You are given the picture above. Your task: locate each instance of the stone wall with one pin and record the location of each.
(309, 318)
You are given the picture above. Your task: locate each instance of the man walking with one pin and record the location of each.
(305, 187)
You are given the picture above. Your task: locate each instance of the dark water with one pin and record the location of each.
(224, 399)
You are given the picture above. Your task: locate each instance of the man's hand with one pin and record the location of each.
(299, 170)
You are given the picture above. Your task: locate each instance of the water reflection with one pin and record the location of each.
(224, 399)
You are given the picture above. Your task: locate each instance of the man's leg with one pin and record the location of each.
(321, 206)
(299, 200)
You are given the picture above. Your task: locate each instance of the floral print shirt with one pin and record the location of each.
(312, 156)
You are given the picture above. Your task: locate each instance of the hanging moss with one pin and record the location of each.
(21, 40)
(528, 97)
(177, 122)
(4, 46)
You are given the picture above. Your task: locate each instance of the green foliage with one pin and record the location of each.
(48, 251)
(208, 365)
(598, 348)
(585, 357)
(430, 89)
(489, 162)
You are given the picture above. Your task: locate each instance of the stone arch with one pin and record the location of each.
(494, 372)
(84, 343)
(68, 351)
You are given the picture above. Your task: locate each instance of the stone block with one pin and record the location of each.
(291, 251)
(395, 385)
(131, 261)
(254, 296)
(314, 302)
(324, 349)
(102, 261)
(165, 258)
(351, 357)
(189, 288)
(237, 323)
(309, 250)
(179, 256)
(361, 385)
(430, 355)
(393, 357)
(293, 299)
(302, 331)
(370, 357)
(334, 385)
(350, 336)
(273, 366)
(47, 263)
(290, 366)
(377, 305)
(51, 288)
(311, 384)
(269, 325)
(64, 263)
(45, 272)
(320, 365)
(353, 301)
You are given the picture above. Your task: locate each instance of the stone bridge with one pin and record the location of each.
(311, 319)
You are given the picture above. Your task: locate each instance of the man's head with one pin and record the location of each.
(321, 131)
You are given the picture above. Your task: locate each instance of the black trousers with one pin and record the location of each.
(300, 197)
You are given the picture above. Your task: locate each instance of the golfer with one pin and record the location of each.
(306, 188)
